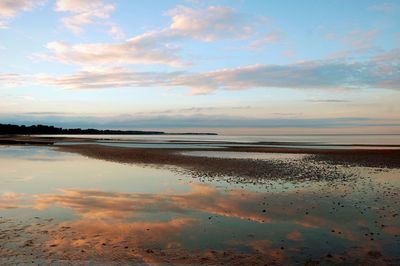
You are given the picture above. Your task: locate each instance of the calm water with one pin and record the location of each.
(72, 207)
(217, 145)
(316, 139)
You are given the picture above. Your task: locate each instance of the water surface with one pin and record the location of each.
(367, 139)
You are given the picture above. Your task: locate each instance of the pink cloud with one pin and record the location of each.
(270, 38)
(133, 51)
(322, 74)
(214, 22)
(10, 9)
(83, 13)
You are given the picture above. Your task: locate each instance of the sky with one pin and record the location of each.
(231, 67)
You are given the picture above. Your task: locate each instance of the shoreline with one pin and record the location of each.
(317, 164)
(264, 146)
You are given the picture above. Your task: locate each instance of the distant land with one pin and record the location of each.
(8, 129)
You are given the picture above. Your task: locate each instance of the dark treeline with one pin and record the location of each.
(7, 129)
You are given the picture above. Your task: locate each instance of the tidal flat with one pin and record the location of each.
(93, 204)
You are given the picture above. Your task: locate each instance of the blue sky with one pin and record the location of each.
(248, 67)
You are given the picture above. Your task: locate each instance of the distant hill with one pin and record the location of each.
(8, 129)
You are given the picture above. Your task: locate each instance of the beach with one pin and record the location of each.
(97, 204)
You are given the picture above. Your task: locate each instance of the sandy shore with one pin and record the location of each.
(320, 164)
(197, 166)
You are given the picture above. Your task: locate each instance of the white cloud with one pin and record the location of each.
(83, 13)
(11, 79)
(10, 9)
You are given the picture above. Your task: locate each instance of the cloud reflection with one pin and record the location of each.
(11, 200)
(164, 228)
(118, 205)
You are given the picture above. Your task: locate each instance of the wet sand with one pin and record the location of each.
(241, 169)
(320, 164)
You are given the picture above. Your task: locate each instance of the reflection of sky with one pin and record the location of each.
(154, 208)
(51, 170)
(30, 153)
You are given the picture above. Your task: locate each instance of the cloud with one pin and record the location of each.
(359, 42)
(11, 79)
(323, 74)
(10, 9)
(270, 38)
(110, 78)
(212, 23)
(361, 39)
(379, 72)
(138, 50)
(328, 101)
(83, 13)
(11, 200)
(290, 53)
(101, 204)
(389, 56)
(152, 47)
(116, 32)
(196, 110)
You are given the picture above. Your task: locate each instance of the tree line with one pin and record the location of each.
(8, 129)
